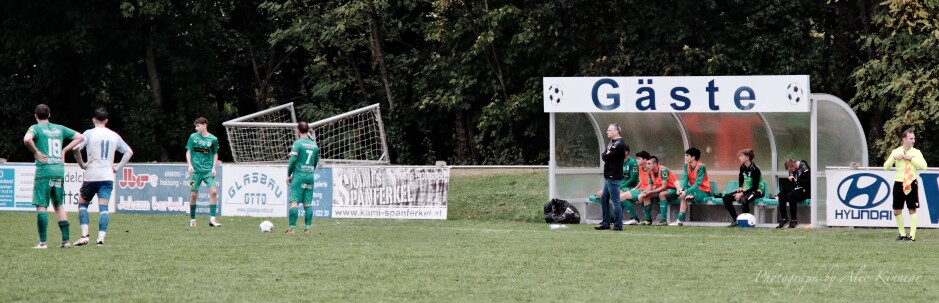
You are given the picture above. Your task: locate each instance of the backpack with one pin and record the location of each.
(560, 211)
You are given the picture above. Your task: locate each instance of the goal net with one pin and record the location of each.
(355, 137)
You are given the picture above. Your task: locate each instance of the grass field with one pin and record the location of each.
(492, 250)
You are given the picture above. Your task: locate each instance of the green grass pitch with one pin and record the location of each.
(491, 250)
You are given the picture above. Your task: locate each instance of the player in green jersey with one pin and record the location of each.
(632, 195)
(661, 188)
(45, 140)
(631, 171)
(202, 156)
(304, 156)
(695, 186)
(751, 186)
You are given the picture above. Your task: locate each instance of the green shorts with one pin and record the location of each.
(196, 180)
(625, 188)
(671, 194)
(45, 189)
(635, 194)
(699, 195)
(301, 191)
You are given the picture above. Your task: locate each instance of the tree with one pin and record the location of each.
(900, 80)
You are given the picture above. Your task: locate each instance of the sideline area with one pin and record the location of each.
(777, 116)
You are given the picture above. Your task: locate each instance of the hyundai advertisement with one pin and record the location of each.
(864, 198)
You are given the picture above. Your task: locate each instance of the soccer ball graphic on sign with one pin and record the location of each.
(555, 94)
(746, 220)
(795, 93)
(266, 227)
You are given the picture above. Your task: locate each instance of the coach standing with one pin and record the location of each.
(908, 162)
(613, 158)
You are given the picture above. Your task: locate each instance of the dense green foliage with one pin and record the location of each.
(899, 86)
(458, 80)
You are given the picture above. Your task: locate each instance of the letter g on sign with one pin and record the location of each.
(613, 96)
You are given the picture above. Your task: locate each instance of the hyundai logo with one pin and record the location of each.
(863, 191)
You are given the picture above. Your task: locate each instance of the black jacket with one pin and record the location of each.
(754, 172)
(802, 175)
(613, 161)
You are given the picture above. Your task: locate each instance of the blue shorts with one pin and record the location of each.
(101, 188)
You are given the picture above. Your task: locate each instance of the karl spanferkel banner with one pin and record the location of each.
(390, 192)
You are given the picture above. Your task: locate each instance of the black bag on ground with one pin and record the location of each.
(560, 211)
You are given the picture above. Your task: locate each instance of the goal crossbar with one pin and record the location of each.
(354, 137)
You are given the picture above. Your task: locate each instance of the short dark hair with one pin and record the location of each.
(747, 152)
(654, 159)
(626, 148)
(201, 120)
(643, 154)
(905, 133)
(303, 127)
(101, 114)
(42, 111)
(694, 153)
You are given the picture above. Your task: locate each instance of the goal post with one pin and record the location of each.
(355, 137)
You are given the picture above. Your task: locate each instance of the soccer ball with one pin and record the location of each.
(555, 94)
(266, 227)
(795, 93)
(746, 220)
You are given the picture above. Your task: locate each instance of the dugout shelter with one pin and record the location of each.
(776, 116)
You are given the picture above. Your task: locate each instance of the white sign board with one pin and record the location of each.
(254, 191)
(390, 192)
(16, 188)
(864, 198)
(718, 94)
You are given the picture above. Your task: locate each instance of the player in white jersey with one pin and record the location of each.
(100, 145)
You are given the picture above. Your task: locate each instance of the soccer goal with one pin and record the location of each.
(355, 137)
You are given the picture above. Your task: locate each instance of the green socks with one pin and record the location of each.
(663, 210)
(681, 216)
(63, 226)
(647, 209)
(213, 209)
(293, 217)
(42, 221)
(308, 216)
(900, 225)
(628, 206)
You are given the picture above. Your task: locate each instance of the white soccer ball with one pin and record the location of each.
(795, 93)
(555, 94)
(266, 227)
(746, 220)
